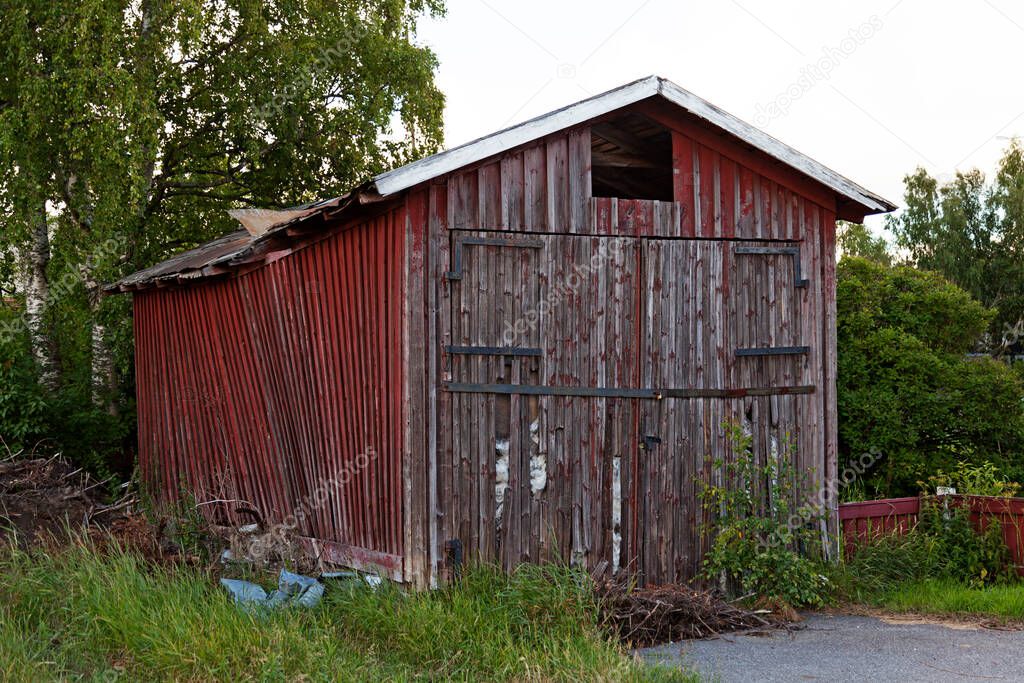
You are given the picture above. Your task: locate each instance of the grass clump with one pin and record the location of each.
(944, 565)
(946, 596)
(86, 614)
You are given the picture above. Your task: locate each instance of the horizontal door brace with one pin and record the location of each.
(799, 280)
(775, 351)
(494, 350)
(613, 392)
(456, 272)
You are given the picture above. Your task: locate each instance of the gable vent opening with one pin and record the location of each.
(631, 158)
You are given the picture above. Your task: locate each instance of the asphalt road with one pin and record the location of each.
(850, 648)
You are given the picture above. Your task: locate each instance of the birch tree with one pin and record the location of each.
(127, 128)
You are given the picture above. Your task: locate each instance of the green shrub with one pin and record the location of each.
(64, 420)
(973, 480)
(762, 536)
(906, 387)
(964, 553)
(23, 406)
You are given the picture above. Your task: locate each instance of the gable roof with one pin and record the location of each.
(264, 227)
(653, 86)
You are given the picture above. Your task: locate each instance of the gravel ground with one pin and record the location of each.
(853, 648)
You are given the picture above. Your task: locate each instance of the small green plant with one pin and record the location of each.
(984, 479)
(763, 538)
(944, 545)
(976, 557)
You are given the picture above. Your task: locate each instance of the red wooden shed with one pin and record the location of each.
(522, 348)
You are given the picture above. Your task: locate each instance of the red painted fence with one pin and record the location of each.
(863, 521)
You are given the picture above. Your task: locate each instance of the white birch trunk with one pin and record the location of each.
(102, 361)
(37, 295)
(102, 368)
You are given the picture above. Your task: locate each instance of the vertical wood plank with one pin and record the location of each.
(579, 170)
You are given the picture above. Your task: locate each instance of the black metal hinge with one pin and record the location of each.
(775, 351)
(649, 442)
(456, 272)
(799, 280)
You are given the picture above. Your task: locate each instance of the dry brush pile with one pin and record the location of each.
(653, 615)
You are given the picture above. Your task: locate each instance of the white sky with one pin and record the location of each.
(931, 83)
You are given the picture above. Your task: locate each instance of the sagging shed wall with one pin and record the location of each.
(282, 390)
(585, 433)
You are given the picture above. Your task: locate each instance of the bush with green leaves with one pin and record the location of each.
(906, 385)
(983, 479)
(64, 420)
(975, 556)
(763, 537)
(23, 406)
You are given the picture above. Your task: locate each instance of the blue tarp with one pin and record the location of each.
(292, 589)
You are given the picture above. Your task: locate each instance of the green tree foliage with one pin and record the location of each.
(972, 232)
(856, 240)
(130, 126)
(906, 386)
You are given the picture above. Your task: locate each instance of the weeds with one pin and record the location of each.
(762, 537)
(983, 479)
(944, 545)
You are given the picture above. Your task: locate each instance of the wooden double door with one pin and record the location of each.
(588, 381)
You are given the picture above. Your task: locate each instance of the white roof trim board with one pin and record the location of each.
(445, 162)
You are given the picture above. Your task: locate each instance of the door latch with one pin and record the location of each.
(649, 441)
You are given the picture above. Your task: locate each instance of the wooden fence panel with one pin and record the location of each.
(864, 521)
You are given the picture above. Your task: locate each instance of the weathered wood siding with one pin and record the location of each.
(606, 411)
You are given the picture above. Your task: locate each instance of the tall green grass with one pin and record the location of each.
(85, 615)
(884, 564)
(935, 571)
(945, 596)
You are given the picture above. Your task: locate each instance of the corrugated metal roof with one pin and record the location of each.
(192, 261)
(230, 251)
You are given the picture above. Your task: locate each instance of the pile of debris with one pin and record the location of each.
(649, 616)
(42, 498)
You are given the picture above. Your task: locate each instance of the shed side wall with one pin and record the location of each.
(282, 390)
